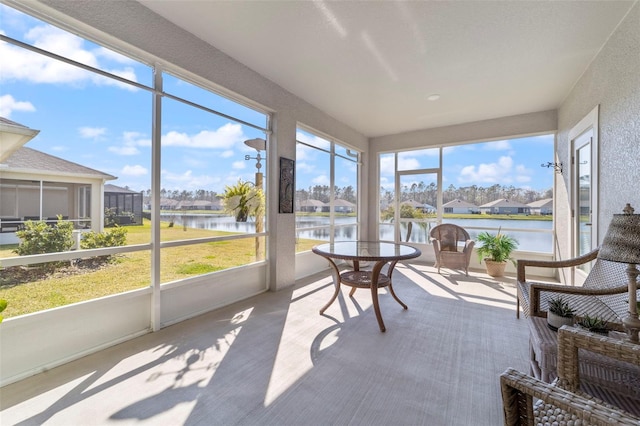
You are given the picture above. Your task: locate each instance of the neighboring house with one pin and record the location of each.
(460, 207)
(504, 206)
(311, 206)
(340, 206)
(35, 185)
(124, 203)
(168, 204)
(343, 206)
(542, 207)
(423, 207)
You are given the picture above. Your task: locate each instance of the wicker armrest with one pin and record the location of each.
(570, 339)
(535, 289)
(523, 263)
(519, 389)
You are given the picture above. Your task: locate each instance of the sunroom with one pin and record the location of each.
(561, 75)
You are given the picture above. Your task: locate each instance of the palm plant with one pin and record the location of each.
(496, 248)
(243, 200)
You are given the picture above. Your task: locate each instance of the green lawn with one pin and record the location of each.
(128, 271)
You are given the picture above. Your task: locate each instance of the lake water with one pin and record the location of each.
(532, 235)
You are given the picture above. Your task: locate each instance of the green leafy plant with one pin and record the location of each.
(3, 306)
(115, 237)
(38, 237)
(594, 324)
(496, 247)
(561, 308)
(243, 200)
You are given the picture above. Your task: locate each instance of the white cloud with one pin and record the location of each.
(21, 64)
(136, 170)
(8, 104)
(124, 150)
(497, 146)
(387, 165)
(499, 172)
(92, 132)
(227, 154)
(223, 138)
(408, 163)
(238, 165)
(304, 167)
(303, 152)
(187, 180)
(130, 143)
(313, 140)
(321, 180)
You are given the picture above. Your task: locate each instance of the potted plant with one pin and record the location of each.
(594, 324)
(496, 250)
(559, 314)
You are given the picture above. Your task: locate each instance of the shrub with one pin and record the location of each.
(38, 238)
(115, 237)
(3, 306)
(109, 217)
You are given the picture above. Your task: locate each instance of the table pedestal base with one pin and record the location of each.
(364, 279)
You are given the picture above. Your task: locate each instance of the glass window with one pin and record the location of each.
(487, 186)
(326, 191)
(89, 127)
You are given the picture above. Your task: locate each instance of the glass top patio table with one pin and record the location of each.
(365, 251)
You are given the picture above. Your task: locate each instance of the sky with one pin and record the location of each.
(106, 125)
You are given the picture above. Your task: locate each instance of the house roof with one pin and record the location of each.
(339, 202)
(547, 202)
(311, 203)
(460, 204)
(486, 59)
(118, 189)
(503, 202)
(13, 136)
(31, 161)
(168, 202)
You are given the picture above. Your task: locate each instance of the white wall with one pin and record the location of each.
(613, 82)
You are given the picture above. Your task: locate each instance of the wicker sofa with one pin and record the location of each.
(568, 400)
(603, 294)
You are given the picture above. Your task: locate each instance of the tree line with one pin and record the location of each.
(478, 195)
(323, 192)
(420, 192)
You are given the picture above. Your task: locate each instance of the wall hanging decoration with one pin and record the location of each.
(287, 185)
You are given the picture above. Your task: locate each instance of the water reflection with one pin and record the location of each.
(347, 229)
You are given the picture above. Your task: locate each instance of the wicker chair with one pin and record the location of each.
(567, 400)
(603, 294)
(445, 238)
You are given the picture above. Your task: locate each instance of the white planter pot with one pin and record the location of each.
(556, 321)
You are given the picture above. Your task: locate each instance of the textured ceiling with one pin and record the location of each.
(372, 65)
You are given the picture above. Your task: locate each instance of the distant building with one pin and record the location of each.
(460, 207)
(311, 206)
(542, 207)
(504, 206)
(168, 204)
(124, 203)
(340, 206)
(423, 207)
(38, 186)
